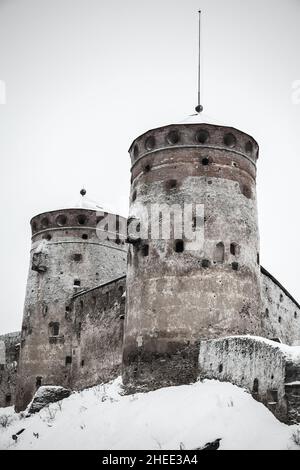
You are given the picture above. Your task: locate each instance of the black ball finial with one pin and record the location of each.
(83, 192)
(199, 108)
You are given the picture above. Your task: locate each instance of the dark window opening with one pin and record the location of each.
(205, 161)
(295, 314)
(67, 308)
(219, 252)
(205, 263)
(229, 140)
(84, 236)
(82, 219)
(82, 363)
(173, 137)
(45, 222)
(134, 194)
(249, 147)
(81, 304)
(121, 290)
(147, 168)
(267, 313)
(54, 328)
(235, 266)
(47, 237)
(233, 249)
(281, 297)
(77, 257)
(8, 399)
(255, 386)
(68, 360)
(257, 258)
(171, 184)
(38, 382)
(145, 250)
(179, 246)
(77, 282)
(279, 319)
(61, 220)
(202, 136)
(220, 368)
(150, 143)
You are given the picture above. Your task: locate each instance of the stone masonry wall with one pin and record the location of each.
(261, 366)
(280, 312)
(98, 334)
(9, 355)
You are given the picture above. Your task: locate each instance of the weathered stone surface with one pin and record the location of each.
(181, 297)
(46, 395)
(263, 367)
(280, 312)
(9, 356)
(79, 257)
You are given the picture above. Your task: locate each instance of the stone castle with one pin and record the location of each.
(101, 302)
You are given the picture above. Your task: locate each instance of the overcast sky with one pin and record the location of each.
(83, 78)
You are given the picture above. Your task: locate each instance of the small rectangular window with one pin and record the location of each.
(179, 246)
(77, 282)
(68, 360)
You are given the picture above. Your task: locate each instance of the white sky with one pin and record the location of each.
(83, 78)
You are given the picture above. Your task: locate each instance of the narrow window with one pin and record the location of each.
(295, 315)
(220, 368)
(77, 282)
(8, 399)
(219, 252)
(234, 249)
(54, 329)
(179, 246)
(235, 266)
(145, 250)
(257, 258)
(68, 360)
(82, 363)
(255, 386)
(279, 319)
(38, 382)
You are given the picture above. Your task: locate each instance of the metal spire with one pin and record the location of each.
(199, 107)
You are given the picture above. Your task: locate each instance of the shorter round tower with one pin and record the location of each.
(72, 250)
(176, 295)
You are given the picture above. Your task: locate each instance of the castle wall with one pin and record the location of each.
(9, 355)
(98, 334)
(280, 312)
(177, 296)
(262, 367)
(67, 257)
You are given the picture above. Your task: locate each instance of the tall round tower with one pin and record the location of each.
(177, 295)
(72, 250)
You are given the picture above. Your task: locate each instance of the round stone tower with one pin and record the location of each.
(178, 295)
(72, 250)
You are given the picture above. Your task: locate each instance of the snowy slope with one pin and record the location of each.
(188, 416)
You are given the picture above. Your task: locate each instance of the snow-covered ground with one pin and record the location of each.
(187, 416)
